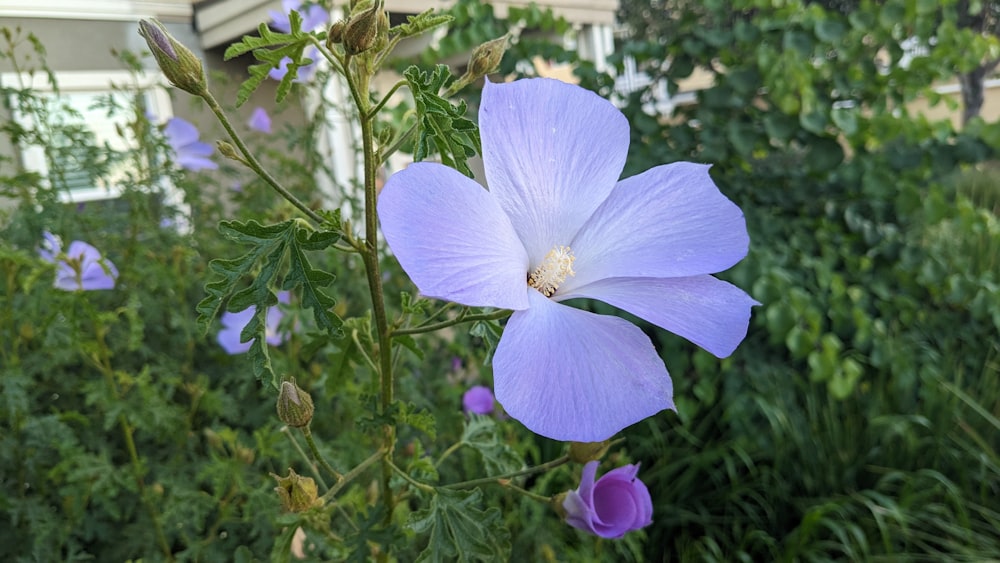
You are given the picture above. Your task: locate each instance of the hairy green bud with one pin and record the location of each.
(181, 67)
(295, 406)
(336, 34)
(297, 493)
(363, 29)
(486, 57)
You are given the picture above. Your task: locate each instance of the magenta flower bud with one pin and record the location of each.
(478, 400)
(617, 503)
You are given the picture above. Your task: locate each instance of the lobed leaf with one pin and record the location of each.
(460, 530)
(442, 126)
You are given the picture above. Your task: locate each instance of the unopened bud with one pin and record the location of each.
(296, 493)
(295, 406)
(362, 30)
(181, 67)
(336, 34)
(582, 452)
(556, 503)
(486, 57)
(229, 151)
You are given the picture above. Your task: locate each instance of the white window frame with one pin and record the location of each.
(33, 156)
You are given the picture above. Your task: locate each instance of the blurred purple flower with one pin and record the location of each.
(259, 120)
(80, 268)
(233, 324)
(617, 503)
(189, 152)
(314, 18)
(478, 400)
(556, 215)
(303, 74)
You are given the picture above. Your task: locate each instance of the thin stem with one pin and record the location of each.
(312, 466)
(451, 449)
(374, 111)
(254, 164)
(461, 318)
(529, 471)
(400, 140)
(422, 486)
(364, 353)
(353, 474)
(318, 456)
(336, 63)
(525, 492)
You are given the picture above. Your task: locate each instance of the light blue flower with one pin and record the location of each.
(314, 17)
(557, 224)
(234, 323)
(80, 268)
(189, 152)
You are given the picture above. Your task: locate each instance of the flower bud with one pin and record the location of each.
(362, 30)
(486, 57)
(336, 34)
(295, 406)
(228, 150)
(611, 506)
(582, 452)
(296, 493)
(181, 67)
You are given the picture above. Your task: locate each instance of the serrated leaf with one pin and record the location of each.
(271, 247)
(271, 47)
(460, 530)
(371, 532)
(442, 127)
(420, 23)
(421, 419)
(482, 434)
(490, 332)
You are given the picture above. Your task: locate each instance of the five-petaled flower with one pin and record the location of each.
(556, 224)
(189, 152)
(478, 399)
(80, 268)
(233, 324)
(617, 503)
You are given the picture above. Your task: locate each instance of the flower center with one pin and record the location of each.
(557, 265)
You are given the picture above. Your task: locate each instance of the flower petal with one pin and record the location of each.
(452, 238)
(180, 132)
(670, 221)
(712, 313)
(573, 375)
(552, 153)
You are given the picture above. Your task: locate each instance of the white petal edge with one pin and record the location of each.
(573, 375)
(452, 238)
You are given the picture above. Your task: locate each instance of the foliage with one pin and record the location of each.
(839, 430)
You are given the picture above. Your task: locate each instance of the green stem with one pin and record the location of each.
(253, 163)
(529, 471)
(422, 486)
(318, 456)
(104, 364)
(461, 318)
(526, 493)
(352, 474)
(374, 111)
(305, 457)
(451, 449)
(400, 140)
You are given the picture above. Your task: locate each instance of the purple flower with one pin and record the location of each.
(556, 224)
(233, 324)
(80, 268)
(314, 18)
(303, 73)
(189, 152)
(478, 400)
(617, 503)
(259, 120)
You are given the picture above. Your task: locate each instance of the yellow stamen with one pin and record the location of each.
(558, 264)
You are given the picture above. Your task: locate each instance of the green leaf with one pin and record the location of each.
(421, 419)
(482, 434)
(271, 247)
(459, 530)
(270, 48)
(420, 23)
(442, 126)
(490, 332)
